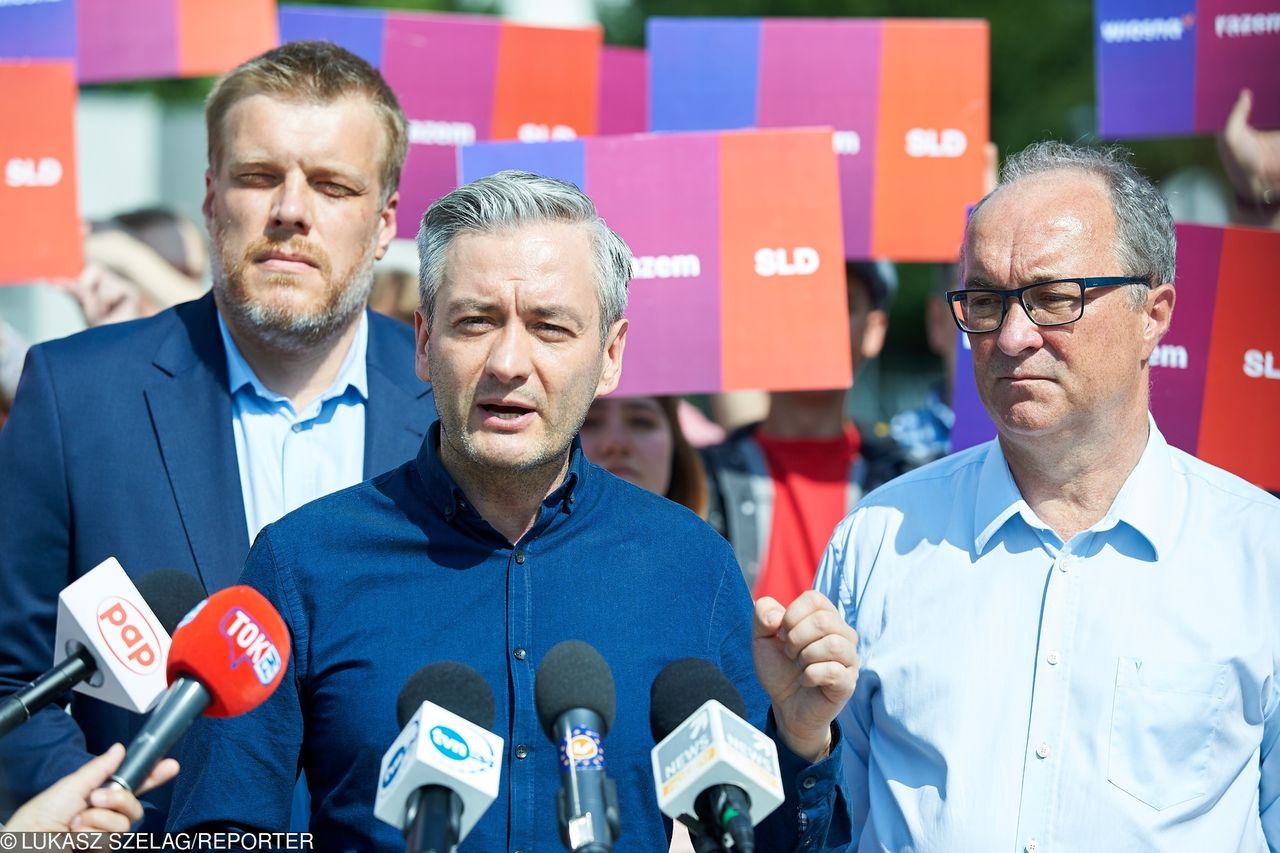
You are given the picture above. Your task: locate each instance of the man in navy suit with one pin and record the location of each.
(170, 442)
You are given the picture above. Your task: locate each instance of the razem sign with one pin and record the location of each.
(38, 214)
(465, 78)
(114, 40)
(737, 262)
(1176, 67)
(1215, 377)
(907, 99)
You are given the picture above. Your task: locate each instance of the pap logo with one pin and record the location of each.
(128, 634)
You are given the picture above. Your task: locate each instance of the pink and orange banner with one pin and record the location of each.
(112, 40)
(464, 78)
(907, 98)
(1215, 378)
(738, 267)
(38, 207)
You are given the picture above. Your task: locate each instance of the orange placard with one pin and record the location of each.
(38, 214)
(1241, 416)
(217, 35)
(933, 118)
(547, 84)
(782, 261)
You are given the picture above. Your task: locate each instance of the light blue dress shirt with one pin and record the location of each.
(288, 458)
(1115, 692)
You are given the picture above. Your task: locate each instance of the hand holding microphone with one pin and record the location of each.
(227, 657)
(709, 762)
(443, 771)
(575, 698)
(806, 659)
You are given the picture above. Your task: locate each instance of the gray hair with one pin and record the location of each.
(1147, 246)
(513, 198)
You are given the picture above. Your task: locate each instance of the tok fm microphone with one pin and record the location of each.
(228, 656)
(443, 771)
(111, 641)
(709, 762)
(575, 699)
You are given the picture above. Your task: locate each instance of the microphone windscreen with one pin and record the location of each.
(171, 595)
(573, 675)
(453, 686)
(236, 645)
(683, 687)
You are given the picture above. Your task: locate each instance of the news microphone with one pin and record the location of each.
(111, 641)
(714, 772)
(227, 657)
(443, 770)
(575, 699)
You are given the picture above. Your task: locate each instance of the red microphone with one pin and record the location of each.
(227, 657)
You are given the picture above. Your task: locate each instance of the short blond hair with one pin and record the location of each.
(314, 72)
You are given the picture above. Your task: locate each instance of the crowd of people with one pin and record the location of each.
(1068, 637)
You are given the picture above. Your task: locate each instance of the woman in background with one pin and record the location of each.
(639, 439)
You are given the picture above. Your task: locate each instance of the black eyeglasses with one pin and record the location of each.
(1048, 303)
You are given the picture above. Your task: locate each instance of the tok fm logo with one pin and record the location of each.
(248, 642)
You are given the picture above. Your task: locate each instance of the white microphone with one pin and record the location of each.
(110, 641)
(713, 771)
(443, 770)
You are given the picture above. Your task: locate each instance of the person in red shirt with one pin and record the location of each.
(779, 487)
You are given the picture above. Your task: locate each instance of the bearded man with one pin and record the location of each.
(170, 442)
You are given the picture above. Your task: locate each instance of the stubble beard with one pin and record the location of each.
(282, 327)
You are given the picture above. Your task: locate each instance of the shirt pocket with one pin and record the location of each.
(1163, 725)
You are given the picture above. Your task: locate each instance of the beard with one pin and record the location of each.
(278, 322)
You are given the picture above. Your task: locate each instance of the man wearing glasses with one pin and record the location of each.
(1069, 635)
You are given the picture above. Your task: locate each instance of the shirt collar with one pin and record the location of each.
(448, 497)
(354, 372)
(1138, 504)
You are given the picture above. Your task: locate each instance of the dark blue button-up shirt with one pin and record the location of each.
(385, 577)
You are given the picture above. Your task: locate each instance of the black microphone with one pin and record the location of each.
(721, 804)
(575, 698)
(168, 592)
(433, 812)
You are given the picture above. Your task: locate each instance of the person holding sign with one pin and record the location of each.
(1070, 635)
(170, 442)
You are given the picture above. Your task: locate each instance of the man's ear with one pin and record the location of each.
(614, 343)
(387, 225)
(877, 327)
(1158, 312)
(421, 335)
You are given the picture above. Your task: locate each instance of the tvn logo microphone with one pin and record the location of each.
(439, 747)
(247, 641)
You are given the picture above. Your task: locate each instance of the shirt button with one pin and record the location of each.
(520, 557)
(1042, 750)
(522, 751)
(520, 654)
(808, 782)
(1052, 658)
(1032, 845)
(748, 508)
(297, 427)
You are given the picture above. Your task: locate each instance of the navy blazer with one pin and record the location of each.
(119, 444)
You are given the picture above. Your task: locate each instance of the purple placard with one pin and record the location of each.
(38, 31)
(973, 425)
(127, 40)
(1237, 47)
(662, 194)
(828, 73)
(624, 91)
(358, 30)
(443, 70)
(563, 160)
(1180, 363)
(1145, 61)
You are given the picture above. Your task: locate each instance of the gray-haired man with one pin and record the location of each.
(1070, 635)
(499, 541)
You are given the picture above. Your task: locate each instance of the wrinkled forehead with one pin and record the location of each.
(1050, 225)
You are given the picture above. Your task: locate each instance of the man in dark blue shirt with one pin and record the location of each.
(499, 541)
